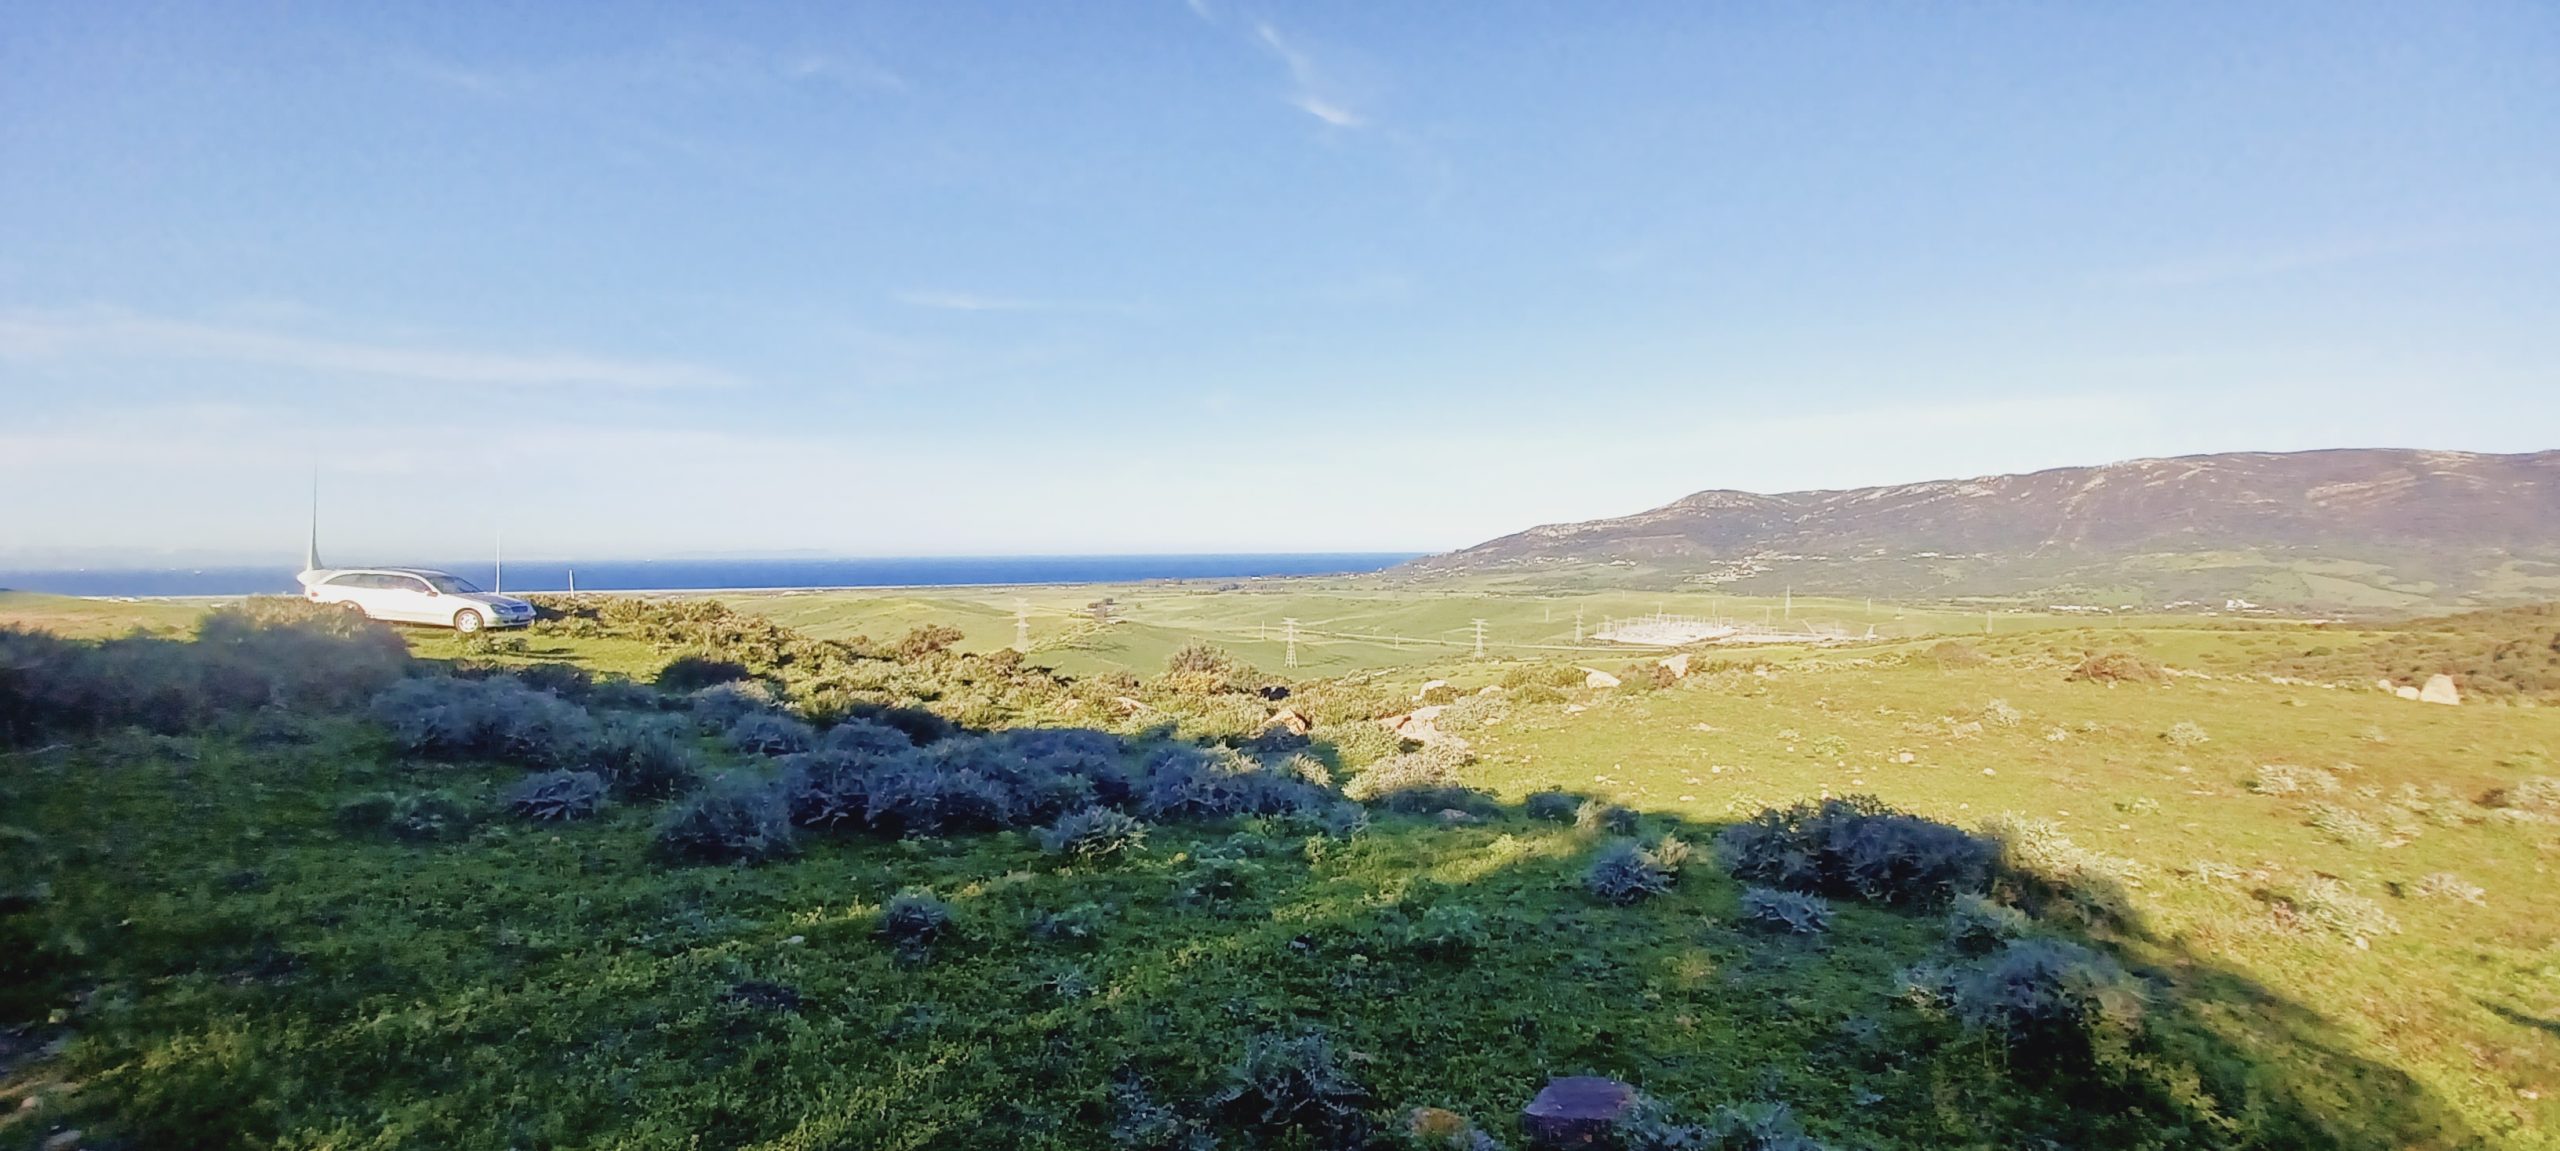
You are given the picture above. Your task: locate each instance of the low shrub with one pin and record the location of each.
(1791, 912)
(2041, 869)
(1295, 1082)
(1595, 816)
(2324, 904)
(1418, 781)
(1189, 783)
(2447, 885)
(557, 796)
(1215, 879)
(1748, 1127)
(646, 760)
(914, 920)
(718, 708)
(497, 718)
(1095, 834)
(2342, 824)
(2041, 997)
(2185, 734)
(864, 736)
(1624, 872)
(687, 674)
(736, 819)
(769, 733)
(1978, 926)
(2114, 667)
(1856, 848)
(1552, 806)
(1449, 931)
(2287, 779)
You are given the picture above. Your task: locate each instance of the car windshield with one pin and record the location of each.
(449, 585)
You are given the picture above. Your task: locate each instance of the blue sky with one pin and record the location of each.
(946, 279)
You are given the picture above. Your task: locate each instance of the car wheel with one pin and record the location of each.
(355, 609)
(466, 621)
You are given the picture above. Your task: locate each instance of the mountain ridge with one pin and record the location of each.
(2400, 527)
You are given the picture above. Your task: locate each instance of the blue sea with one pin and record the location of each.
(689, 575)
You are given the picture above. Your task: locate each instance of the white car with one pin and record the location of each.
(414, 595)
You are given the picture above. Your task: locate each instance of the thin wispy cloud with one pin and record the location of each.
(116, 335)
(1312, 90)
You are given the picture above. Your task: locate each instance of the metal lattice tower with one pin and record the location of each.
(1577, 625)
(1289, 635)
(1022, 625)
(1479, 639)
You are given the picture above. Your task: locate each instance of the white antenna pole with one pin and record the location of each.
(311, 553)
(573, 580)
(500, 578)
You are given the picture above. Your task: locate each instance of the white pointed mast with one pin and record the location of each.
(311, 551)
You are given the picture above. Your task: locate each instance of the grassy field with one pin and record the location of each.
(2340, 905)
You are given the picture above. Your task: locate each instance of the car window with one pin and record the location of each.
(349, 580)
(408, 583)
(450, 585)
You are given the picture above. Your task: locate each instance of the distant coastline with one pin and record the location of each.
(737, 575)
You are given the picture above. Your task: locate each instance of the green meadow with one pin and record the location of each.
(2313, 914)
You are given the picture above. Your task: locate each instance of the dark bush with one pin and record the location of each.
(687, 674)
(1977, 926)
(2041, 997)
(828, 791)
(769, 733)
(1552, 806)
(914, 920)
(1770, 909)
(646, 760)
(1095, 834)
(1595, 816)
(1419, 781)
(1856, 848)
(498, 718)
(1954, 654)
(1189, 783)
(557, 796)
(719, 707)
(1624, 872)
(566, 680)
(862, 735)
(736, 819)
(269, 652)
(1293, 1081)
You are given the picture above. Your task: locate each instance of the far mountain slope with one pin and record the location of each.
(2353, 528)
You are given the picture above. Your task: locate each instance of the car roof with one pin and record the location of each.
(384, 571)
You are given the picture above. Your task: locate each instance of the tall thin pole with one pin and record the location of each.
(500, 578)
(311, 553)
(1022, 625)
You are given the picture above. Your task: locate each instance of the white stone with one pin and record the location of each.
(1679, 665)
(2440, 689)
(1598, 678)
(2405, 691)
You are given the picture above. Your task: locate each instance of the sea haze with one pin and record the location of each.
(706, 575)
